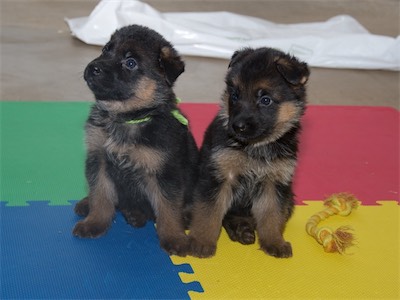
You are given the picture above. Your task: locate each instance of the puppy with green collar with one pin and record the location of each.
(141, 155)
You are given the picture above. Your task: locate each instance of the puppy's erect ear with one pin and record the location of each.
(171, 64)
(239, 55)
(294, 71)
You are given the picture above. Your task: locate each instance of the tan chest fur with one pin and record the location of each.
(233, 163)
(122, 154)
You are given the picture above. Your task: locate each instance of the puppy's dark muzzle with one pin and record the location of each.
(102, 78)
(92, 70)
(240, 127)
(247, 130)
(95, 76)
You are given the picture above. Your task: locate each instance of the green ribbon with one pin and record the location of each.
(181, 118)
(175, 113)
(138, 121)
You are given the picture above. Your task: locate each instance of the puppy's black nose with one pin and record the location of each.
(95, 70)
(239, 126)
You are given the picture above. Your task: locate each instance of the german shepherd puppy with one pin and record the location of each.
(249, 154)
(141, 156)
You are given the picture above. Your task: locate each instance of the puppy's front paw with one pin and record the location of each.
(283, 250)
(175, 246)
(86, 229)
(201, 249)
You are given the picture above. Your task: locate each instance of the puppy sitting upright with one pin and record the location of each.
(249, 154)
(141, 156)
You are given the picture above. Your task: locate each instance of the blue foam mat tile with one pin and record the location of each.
(41, 259)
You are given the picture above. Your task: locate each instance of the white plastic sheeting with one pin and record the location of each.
(340, 42)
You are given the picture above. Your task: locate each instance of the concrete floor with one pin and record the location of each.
(41, 61)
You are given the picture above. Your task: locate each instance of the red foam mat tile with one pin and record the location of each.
(343, 149)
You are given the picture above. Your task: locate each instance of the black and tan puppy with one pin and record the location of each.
(141, 156)
(249, 154)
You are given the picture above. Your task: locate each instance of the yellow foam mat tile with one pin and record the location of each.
(369, 270)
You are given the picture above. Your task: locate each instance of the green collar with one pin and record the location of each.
(175, 113)
(138, 121)
(181, 118)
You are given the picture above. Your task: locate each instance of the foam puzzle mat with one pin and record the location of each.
(343, 149)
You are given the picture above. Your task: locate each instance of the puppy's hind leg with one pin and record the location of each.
(101, 207)
(240, 225)
(134, 217)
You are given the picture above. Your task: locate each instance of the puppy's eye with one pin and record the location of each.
(234, 96)
(130, 63)
(265, 100)
(233, 93)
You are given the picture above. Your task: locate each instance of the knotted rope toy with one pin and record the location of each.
(339, 240)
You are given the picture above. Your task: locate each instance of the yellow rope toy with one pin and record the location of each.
(337, 204)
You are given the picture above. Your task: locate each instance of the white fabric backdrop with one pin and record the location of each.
(340, 42)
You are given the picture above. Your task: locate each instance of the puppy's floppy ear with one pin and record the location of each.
(239, 55)
(171, 64)
(294, 71)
